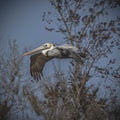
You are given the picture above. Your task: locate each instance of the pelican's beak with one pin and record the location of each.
(35, 51)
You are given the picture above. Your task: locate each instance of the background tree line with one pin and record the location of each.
(90, 27)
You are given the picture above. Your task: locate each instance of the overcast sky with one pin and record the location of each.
(22, 21)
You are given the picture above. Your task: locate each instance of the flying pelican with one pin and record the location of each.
(48, 51)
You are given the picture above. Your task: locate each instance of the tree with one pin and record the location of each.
(71, 97)
(86, 26)
(12, 100)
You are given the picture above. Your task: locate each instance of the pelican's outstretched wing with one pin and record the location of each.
(36, 65)
(72, 51)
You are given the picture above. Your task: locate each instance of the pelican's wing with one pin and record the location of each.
(73, 51)
(37, 64)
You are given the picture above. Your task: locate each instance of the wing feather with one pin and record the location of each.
(73, 52)
(37, 64)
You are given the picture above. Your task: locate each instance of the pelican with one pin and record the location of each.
(48, 51)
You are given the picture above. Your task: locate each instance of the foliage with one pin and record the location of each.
(84, 24)
(11, 99)
(92, 32)
(89, 26)
(61, 101)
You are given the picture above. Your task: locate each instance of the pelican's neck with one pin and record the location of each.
(45, 51)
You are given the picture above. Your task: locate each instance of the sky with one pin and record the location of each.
(22, 21)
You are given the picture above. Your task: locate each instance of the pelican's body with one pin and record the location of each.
(48, 51)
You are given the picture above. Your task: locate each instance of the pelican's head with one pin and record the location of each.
(47, 45)
(44, 47)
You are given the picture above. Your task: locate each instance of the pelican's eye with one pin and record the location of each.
(45, 45)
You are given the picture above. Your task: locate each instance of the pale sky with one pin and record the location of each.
(22, 21)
